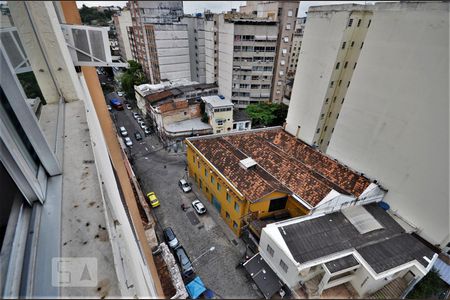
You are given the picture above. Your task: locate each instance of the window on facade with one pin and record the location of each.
(235, 225)
(352, 44)
(326, 100)
(270, 250)
(227, 215)
(228, 197)
(219, 186)
(317, 130)
(286, 39)
(334, 99)
(345, 65)
(283, 266)
(290, 12)
(350, 22)
(212, 179)
(337, 116)
(339, 84)
(198, 165)
(325, 128)
(343, 45)
(337, 65)
(282, 62)
(288, 26)
(354, 66)
(362, 44)
(206, 173)
(370, 21)
(322, 116)
(348, 83)
(331, 84)
(359, 23)
(236, 206)
(342, 100)
(321, 141)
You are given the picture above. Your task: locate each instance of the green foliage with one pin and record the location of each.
(131, 77)
(267, 114)
(30, 85)
(90, 16)
(429, 287)
(202, 107)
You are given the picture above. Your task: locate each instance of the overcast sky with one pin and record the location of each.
(218, 6)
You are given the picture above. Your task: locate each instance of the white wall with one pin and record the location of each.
(173, 51)
(124, 21)
(292, 277)
(209, 52)
(394, 125)
(320, 45)
(226, 40)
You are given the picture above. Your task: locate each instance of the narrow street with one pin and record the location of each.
(159, 170)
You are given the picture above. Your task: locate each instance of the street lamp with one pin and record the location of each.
(209, 250)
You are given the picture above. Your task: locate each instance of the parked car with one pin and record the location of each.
(154, 202)
(184, 261)
(138, 136)
(116, 103)
(171, 238)
(120, 94)
(128, 142)
(109, 107)
(147, 131)
(139, 119)
(199, 207)
(184, 185)
(129, 107)
(142, 124)
(135, 115)
(123, 131)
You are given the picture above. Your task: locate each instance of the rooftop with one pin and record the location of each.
(190, 125)
(217, 101)
(240, 115)
(383, 249)
(284, 164)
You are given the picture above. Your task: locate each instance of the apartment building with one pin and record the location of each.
(122, 22)
(296, 46)
(211, 47)
(70, 224)
(285, 13)
(197, 48)
(220, 113)
(372, 91)
(246, 58)
(159, 42)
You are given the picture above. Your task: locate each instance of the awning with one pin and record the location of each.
(195, 288)
(264, 277)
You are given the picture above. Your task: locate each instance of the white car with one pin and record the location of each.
(139, 119)
(184, 186)
(142, 124)
(129, 107)
(120, 94)
(147, 131)
(123, 131)
(135, 115)
(199, 207)
(128, 142)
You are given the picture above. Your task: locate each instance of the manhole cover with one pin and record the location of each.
(192, 218)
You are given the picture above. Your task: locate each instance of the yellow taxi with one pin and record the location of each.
(154, 202)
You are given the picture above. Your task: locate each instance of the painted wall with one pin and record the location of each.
(394, 124)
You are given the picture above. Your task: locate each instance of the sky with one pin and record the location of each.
(218, 6)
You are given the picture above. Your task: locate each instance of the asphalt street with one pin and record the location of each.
(159, 170)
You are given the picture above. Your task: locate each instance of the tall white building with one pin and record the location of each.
(122, 21)
(196, 35)
(372, 91)
(296, 46)
(246, 58)
(211, 47)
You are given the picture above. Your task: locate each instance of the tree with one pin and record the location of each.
(30, 85)
(90, 15)
(131, 77)
(267, 114)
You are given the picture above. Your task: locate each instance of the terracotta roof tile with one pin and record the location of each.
(284, 164)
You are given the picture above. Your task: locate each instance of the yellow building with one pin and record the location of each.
(254, 175)
(220, 113)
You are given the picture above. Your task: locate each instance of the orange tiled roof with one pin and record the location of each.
(284, 164)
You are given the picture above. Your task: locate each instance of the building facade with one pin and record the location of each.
(122, 22)
(285, 13)
(396, 100)
(296, 46)
(211, 47)
(159, 42)
(220, 113)
(246, 60)
(197, 47)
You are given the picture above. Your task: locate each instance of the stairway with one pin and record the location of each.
(392, 290)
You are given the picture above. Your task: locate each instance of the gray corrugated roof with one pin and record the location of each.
(342, 263)
(240, 115)
(382, 249)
